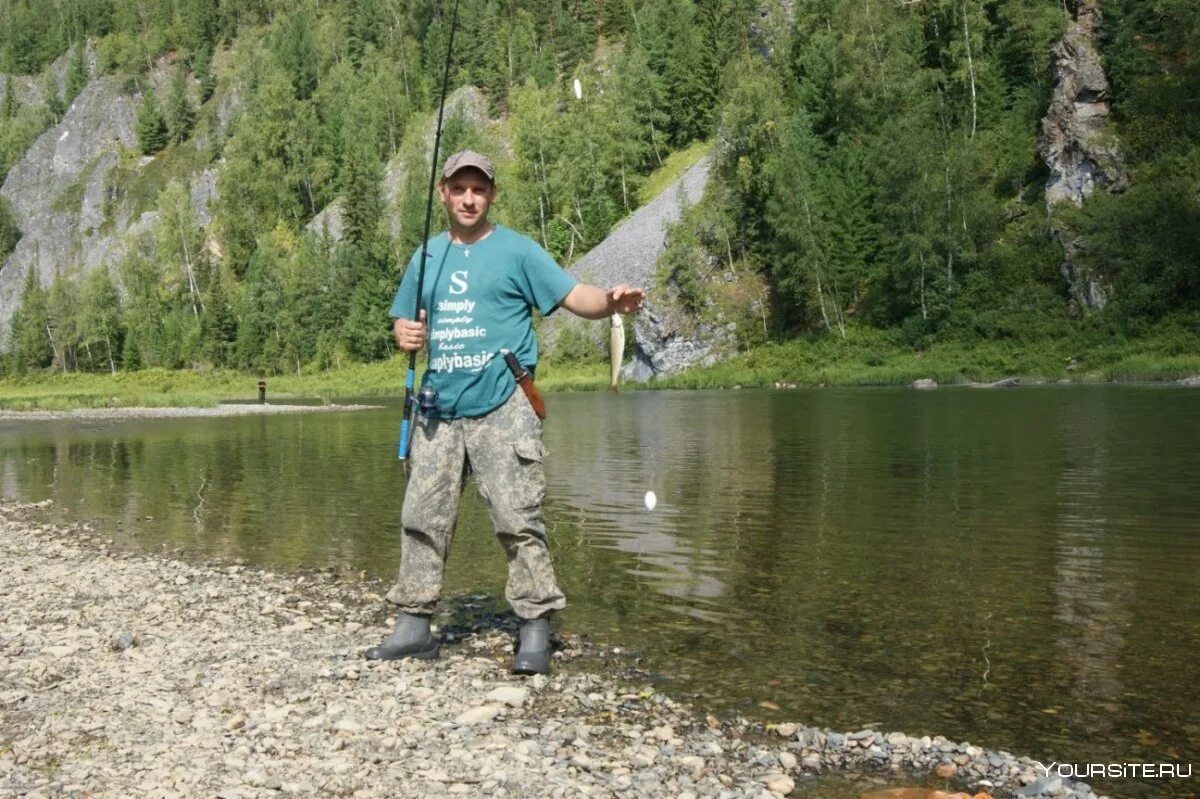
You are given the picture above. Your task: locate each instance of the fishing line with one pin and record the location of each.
(409, 379)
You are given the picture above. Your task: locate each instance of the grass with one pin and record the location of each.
(671, 170)
(869, 357)
(866, 357)
(71, 198)
(196, 388)
(149, 388)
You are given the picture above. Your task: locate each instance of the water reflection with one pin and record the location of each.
(1010, 568)
(1090, 608)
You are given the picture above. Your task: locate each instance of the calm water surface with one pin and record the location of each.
(1020, 569)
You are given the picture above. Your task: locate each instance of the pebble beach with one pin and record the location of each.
(127, 674)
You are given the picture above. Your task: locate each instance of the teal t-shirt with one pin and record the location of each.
(478, 300)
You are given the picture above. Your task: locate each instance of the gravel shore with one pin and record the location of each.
(230, 409)
(137, 675)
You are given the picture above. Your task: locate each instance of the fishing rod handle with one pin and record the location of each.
(406, 421)
(402, 448)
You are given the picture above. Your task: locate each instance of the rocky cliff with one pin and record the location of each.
(1078, 142)
(62, 198)
(72, 219)
(57, 190)
(629, 255)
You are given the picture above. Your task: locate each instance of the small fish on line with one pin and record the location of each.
(616, 351)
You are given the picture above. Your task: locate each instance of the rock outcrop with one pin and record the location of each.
(61, 198)
(1078, 143)
(629, 255)
(57, 190)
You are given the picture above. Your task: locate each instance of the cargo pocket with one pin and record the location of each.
(529, 483)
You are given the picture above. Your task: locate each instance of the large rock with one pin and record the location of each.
(671, 342)
(1078, 142)
(330, 222)
(630, 254)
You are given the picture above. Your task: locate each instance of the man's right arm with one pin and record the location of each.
(591, 302)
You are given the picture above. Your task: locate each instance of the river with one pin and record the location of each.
(1018, 568)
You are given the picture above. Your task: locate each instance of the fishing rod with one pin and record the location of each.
(410, 378)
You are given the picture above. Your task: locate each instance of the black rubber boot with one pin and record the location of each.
(410, 639)
(533, 654)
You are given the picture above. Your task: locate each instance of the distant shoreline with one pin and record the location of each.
(133, 412)
(865, 358)
(586, 383)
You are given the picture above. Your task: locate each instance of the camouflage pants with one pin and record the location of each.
(504, 451)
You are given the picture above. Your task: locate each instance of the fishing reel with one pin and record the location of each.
(427, 399)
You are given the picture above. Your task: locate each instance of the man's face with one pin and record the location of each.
(467, 195)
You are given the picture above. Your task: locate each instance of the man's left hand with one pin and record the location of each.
(625, 299)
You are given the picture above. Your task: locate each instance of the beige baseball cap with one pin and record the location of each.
(469, 158)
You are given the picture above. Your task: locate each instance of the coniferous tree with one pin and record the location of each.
(530, 195)
(297, 52)
(180, 114)
(360, 178)
(307, 168)
(254, 191)
(433, 45)
(144, 310)
(218, 322)
(365, 331)
(672, 40)
(8, 106)
(642, 90)
(52, 98)
(10, 232)
(199, 22)
(367, 21)
(363, 256)
(260, 344)
(723, 26)
(30, 328)
(63, 310)
(100, 321)
(77, 73)
(151, 125)
(411, 210)
(25, 53)
(203, 68)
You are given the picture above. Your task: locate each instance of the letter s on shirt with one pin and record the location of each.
(458, 282)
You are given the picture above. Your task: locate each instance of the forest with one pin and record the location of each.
(875, 165)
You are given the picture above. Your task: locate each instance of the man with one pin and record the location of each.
(481, 283)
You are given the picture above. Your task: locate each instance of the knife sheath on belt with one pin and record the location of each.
(525, 381)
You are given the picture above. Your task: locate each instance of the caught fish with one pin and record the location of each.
(616, 350)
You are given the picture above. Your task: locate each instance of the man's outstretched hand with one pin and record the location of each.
(592, 302)
(625, 299)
